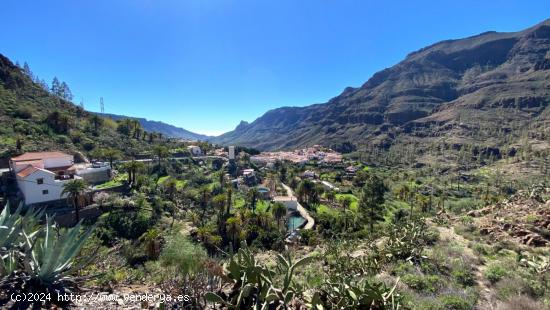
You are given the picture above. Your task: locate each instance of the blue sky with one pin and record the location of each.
(205, 65)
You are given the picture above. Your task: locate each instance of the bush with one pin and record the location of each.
(494, 273)
(422, 283)
(462, 273)
(23, 113)
(455, 302)
(123, 224)
(181, 254)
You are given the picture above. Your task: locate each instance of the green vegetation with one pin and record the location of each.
(421, 223)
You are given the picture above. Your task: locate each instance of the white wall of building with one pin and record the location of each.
(34, 192)
(55, 162)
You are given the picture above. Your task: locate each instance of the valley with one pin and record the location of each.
(428, 187)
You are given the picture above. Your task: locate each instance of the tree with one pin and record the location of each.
(219, 203)
(28, 71)
(345, 202)
(234, 228)
(133, 167)
(74, 189)
(306, 191)
(170, 187)
(161, 152)
(228, 198)
(372, 199)
(65, 92)
(279, 212)
(252, 195)
(331, 195)
(96, 121)
(111, 155)
(204, 198)
(56, 87)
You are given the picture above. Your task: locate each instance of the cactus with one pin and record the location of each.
(343, 292)
(254, 285)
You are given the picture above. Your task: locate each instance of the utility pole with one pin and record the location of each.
(101, 105)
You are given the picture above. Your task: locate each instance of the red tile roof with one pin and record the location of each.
(27, 171)
(38, 155)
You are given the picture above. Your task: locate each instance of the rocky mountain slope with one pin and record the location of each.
(33, 119)
(160, 127)
(475, 90)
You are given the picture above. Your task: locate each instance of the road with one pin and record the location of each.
(303, 212)
(146, 160)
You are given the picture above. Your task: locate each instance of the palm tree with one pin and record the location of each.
(229, 199)
(345, 201)
(234, 225)
(307, 191)
(161, 151)
(253, 194)
(331, 195)
(170, 187)
(133, 168)
(204, 196)
(219, 203)
(74, 189)
(97, 121)
(111, 155)
(279, 211)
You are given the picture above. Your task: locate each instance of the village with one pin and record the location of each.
(43, 180)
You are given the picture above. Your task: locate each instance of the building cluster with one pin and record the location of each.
(315, 152)
(40, 176)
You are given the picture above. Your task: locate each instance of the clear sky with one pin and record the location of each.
(204, 65)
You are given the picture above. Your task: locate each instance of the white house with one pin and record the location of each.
(195, 150)
(41, 175)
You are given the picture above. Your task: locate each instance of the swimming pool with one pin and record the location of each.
(295, 221)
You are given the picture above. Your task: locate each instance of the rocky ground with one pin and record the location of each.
(524, 218)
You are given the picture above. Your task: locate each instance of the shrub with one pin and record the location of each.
(23, 113)
(521, 302)
(455, 302)
(181, 254)
(462, 273)
(124, 224)
(422, 283)
(494, 273)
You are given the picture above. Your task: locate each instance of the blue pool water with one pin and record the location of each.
(294, 221)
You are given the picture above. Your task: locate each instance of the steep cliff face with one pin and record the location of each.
(480, 81)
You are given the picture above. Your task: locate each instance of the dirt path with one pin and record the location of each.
(486, 299)
(303, 212)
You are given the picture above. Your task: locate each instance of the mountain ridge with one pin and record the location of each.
(161, 127)
(432, 86)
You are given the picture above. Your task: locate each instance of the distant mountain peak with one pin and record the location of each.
(448, 82)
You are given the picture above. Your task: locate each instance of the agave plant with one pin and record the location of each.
(10, 227)
(50, 259)
(12, 224)
(254, 285)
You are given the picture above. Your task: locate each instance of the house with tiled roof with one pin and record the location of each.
(40, 175)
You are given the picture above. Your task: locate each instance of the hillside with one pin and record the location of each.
(489, 90)
(163, 128)
(34, 120)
